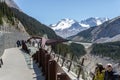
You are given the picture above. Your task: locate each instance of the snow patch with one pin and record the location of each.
(99, 22)
(85, 25)
(63, 24)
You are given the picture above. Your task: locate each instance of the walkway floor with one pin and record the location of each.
(15, 67)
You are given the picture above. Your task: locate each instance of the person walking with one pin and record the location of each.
(18, 43)
(1, 62)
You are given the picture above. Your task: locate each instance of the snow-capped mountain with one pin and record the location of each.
(94, 21)
(69, 27)
(63, 24)
(106, 32)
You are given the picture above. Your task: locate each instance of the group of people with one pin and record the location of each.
(107, 73)
(22, 43)
(35, 43)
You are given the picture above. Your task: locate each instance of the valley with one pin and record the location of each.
(69, 48)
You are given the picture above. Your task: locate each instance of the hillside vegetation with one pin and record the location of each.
(83, 36)
(31, 25)
(77, 50)
(5, 11)
(111, 49)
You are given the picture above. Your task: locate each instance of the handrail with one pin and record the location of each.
(77, 69)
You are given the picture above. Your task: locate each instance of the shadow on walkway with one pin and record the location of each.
(38, 73)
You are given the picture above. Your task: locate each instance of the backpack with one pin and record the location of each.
(99, 76)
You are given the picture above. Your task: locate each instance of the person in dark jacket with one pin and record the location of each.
(1, 62)
(18, 43)
(110, 74)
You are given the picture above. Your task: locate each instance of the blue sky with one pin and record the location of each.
(51, 11)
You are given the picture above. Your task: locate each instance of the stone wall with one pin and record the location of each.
(9, 39)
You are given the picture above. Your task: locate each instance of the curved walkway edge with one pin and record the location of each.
(15, 67)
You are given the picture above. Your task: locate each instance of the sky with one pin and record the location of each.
(51, 11)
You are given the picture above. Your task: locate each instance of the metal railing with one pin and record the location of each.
(71, 67)
(76, 69)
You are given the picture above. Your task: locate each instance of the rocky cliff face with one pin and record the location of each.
(9, 39)
(7, 26)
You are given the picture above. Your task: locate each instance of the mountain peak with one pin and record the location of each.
(70, 27)
(11, 3)
(63, 24)
(93, 21)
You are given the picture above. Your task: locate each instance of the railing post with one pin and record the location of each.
(63, 62)
(79, 72)
(82, 61)
(80, 69)
(70, 66)
(37, 56)
(43, 62)
(70, 63)
(52, 70)
(40, 57)
(46, 64)
(63, 59)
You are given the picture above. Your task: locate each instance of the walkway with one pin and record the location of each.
(15, 67)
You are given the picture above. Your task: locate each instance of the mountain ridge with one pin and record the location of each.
(31, 25)
(101, 33)
(70, 27)
(11, 4)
